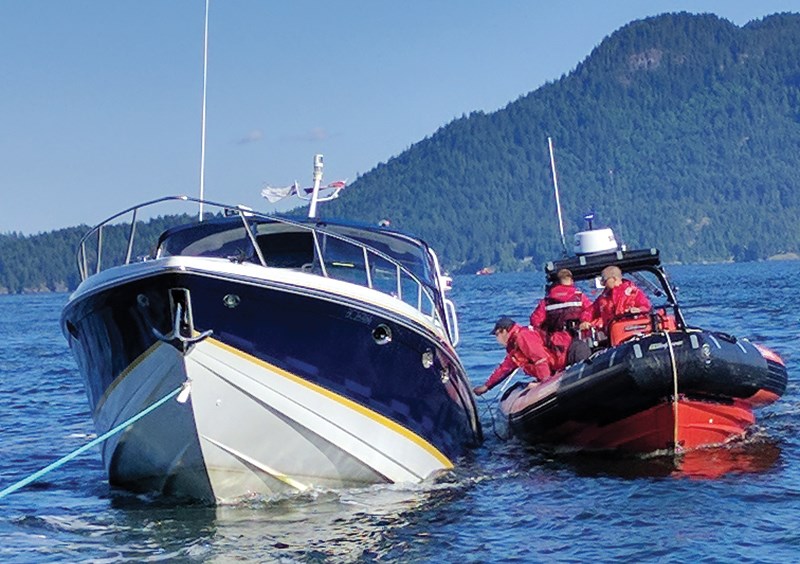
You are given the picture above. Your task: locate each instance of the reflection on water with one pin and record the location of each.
(751, 455)
(346, 525)
(757, 456)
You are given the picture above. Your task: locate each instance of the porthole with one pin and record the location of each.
(382, 334)
(231, 300)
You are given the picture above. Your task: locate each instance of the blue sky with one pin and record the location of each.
(100, 100)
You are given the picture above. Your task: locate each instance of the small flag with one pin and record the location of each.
(275, 194)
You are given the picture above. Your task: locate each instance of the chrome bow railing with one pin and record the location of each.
(375, 269)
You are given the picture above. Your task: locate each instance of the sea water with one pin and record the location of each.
(504, 502)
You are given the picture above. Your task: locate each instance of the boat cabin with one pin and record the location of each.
(375, 257)
(643, 267)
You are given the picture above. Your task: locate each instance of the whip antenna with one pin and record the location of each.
(558, 201)
(203, 119)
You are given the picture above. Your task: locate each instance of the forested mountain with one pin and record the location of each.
(680, 131)
(47, 262)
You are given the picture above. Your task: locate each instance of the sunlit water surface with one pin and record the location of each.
(504, 501)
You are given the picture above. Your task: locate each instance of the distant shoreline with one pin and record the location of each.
(62, 289)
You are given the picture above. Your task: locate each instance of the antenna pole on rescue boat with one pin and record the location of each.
(203, 119)
(312, 207)
(558, 201)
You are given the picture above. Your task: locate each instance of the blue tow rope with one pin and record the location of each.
(98, 440)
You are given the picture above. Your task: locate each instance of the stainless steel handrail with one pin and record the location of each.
(246, 215)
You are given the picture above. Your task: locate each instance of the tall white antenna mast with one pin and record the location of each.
(203, 120)
(317, 177)
(558, 201)
(314, 197)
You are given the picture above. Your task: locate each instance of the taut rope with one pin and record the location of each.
(61, 461)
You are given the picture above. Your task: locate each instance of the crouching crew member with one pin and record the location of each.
(524, 349)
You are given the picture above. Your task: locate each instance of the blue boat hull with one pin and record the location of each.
(334, 346)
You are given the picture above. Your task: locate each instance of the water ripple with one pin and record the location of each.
(505, 502)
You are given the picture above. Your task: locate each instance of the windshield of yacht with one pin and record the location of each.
(214, 238)
(285, 245)
(405, 250)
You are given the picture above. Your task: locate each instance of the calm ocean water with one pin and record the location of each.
(505, 502)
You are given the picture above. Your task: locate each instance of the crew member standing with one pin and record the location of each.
(558, 315)
(524, 349)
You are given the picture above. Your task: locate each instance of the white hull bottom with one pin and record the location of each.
(248, 428)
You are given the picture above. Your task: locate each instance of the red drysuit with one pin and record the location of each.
(525, 349)
(563, 305)
(618, 301)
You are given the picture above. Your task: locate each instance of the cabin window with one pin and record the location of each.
(344, 261)
(290, 249)
(384, 275)
(208, 240)
(406, 252)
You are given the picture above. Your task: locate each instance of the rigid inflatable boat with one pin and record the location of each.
(653, 382)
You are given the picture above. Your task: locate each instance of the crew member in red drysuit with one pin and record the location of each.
(558, 315)
(621, 296)
(525, 349)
